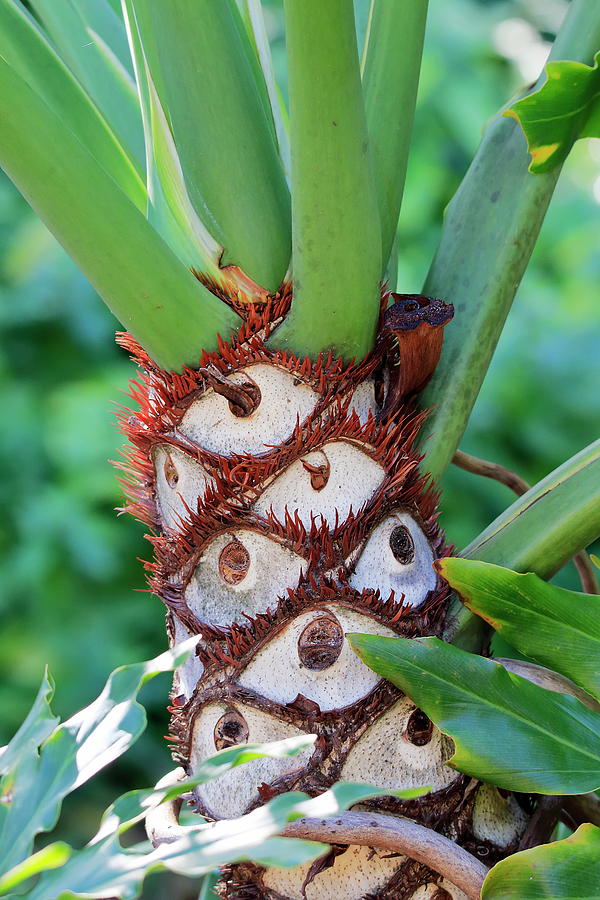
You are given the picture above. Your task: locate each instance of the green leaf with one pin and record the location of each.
(554, 745)
(172, 315)
(50, 857)
(553, 626)
(104, 868)
(390, 81)
(40, 722)
(207, 891)
(34, 787)
(566, 107)
(336, 233)
(135, 805)
(563, 870)
(205, 73)
(91, 39)
(25, 48)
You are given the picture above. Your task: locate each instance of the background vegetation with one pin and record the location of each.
(69, 584)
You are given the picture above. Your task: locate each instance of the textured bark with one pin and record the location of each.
(288, 509)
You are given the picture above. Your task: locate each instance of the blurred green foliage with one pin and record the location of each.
(71, 590)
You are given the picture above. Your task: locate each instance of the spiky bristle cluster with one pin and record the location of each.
(288, 509)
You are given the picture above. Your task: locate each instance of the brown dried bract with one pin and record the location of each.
(416, 323)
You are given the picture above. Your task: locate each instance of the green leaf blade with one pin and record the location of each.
(562, 870)
(555, 627)
(36, 785)
(565, 108)
(39, 723)
(53, 856)
(104, 868)
(554, 739)
(336, 233)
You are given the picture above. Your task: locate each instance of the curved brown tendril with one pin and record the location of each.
(243, 398)
(319, 475)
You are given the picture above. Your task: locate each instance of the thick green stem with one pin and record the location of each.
(336, 232)
(390, 81)
(490, 229)
(548, 525)
(579, 35)
(147, 288)
(212, 90)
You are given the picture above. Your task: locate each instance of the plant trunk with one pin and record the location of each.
(289, 510)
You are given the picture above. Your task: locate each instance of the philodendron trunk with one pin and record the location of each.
(291, 510)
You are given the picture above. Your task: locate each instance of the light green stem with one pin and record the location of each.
(154, 296)
(336, 234)
(390, 81)
(539, 533)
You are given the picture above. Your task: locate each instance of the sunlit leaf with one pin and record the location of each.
(135, 805)
(40, 722)
(566, 107)
(34, 787)
(53, 856)
(563, 870)
(104, 868)
(556, 627)
(554, 744)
